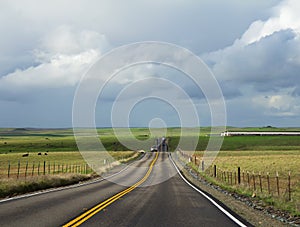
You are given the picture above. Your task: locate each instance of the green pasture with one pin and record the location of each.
(58, 140)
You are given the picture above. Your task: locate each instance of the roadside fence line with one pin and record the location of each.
(274, 185)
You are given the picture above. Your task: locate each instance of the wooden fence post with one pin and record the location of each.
(239, 175)
(277, 183)
(8, 169)
(260, 184)
(254, 183)
(268, 181)
(26, 167)
(32, 169)
(39, 168)
(215, 170)
(18, 169)
(44, 170)
(289, 185)
(248, 179)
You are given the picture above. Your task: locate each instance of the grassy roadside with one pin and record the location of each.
(264, 199)
(56, 162)
(253, 216)
(262, 162)
(11, 186)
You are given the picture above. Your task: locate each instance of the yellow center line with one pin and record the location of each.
(91, 212)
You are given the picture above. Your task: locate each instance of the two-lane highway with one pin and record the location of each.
(146, 195)
(57, 207)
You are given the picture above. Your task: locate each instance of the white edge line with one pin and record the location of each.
(209, 198)
(65, 187)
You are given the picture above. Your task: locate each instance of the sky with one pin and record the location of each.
(251, 47)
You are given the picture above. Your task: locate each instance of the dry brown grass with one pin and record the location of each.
(256, 167)
(11, 187)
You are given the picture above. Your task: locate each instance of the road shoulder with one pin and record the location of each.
(255, 217)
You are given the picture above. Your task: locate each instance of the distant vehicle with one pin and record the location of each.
(153, 148)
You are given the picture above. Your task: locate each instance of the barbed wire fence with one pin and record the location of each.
(273, 184)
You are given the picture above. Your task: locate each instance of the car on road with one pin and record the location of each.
(153, 148)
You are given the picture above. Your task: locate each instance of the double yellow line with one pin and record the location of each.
(91, 212)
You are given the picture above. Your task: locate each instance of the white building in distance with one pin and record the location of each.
(227, 133)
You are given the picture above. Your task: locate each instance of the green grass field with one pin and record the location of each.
(37, 140)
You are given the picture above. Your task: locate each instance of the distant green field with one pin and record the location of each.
(241, 143)
(43, 140)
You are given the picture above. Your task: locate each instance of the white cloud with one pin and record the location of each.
(280, 105)
(262, 67)
(66, 40)
(287, 18)
(267, 56)
(60, 71)
(63, 56)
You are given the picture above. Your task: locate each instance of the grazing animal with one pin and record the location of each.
(39, 153)
(25, 155)
(46, 154)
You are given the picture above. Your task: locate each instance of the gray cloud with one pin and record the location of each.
(270, 64)
(252, 48)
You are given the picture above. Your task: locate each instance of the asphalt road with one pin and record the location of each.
(158, 201)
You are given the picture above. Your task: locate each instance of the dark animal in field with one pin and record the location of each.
(25, 155)
(39, 153)
(46, 154)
